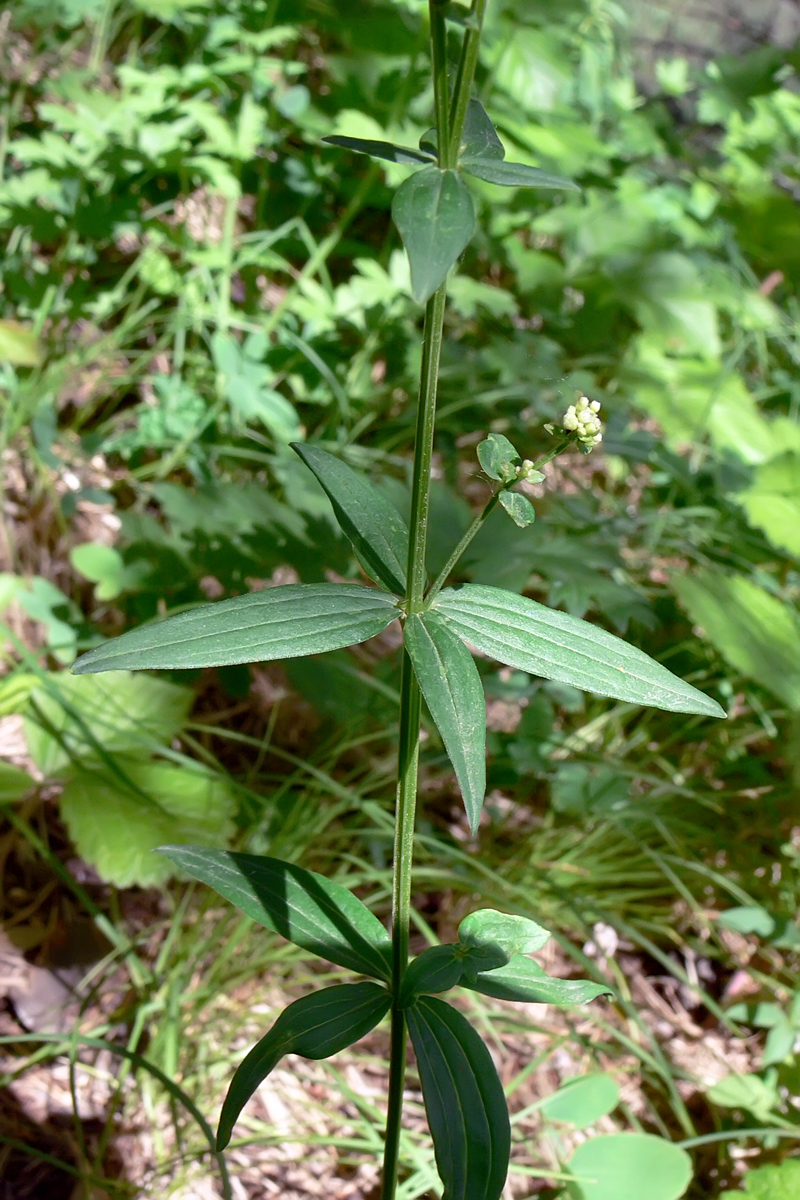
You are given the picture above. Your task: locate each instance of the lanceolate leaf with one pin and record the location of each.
(453, 691)
(386, 150)
(479, 137)
(437, 969)
(464, 1100)
(378, 532)
(435, 214)
(305, 908)
(526, 635)
(281, 622)
(524, 980)
(315, 1026)
(511, 174)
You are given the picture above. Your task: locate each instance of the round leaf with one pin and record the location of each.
(498, 457)
(629, 1166)
(582, 1101)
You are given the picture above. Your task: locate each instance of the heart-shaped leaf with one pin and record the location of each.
(464, 1100)
(451, 685)
(531, 637)
(519, 508)
(511, 174)
(377, 531)
(303, 907)
(385, 150)
(315, 1026)
(435, 214)
(281, 622)
(524, 981)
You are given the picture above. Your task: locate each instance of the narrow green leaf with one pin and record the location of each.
(281, 622)
(519, 508)
(616, 1166)
(385, 150)
(315, 1026)
(511, 174)
(479, 137)
(526, 635)
(437, 969)
(499, 936)
(303, 907)
(377, 531)
(464, 1100)
(524, 980)
(498, 457)
(435, 214)
(451, 685)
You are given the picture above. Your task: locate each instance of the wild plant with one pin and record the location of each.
(443, 625)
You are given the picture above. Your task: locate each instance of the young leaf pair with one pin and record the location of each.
(433, 209)
(300, 619)
(463, 1095)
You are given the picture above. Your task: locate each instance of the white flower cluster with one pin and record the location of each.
(582, 419)
(527, 472)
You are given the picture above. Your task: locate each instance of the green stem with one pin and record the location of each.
(410, 699)
(452, 561)
(477, 525)
(440, 83)
(466, 73)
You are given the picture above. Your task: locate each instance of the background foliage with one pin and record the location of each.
(190, 281)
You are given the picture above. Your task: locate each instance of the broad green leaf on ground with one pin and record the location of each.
(437, 969)
(280, 622)
(750, 1092)
(451, 685)
(315, 1026)
(747, 918)
(756, 632)
(526, 635)
(19, 345)
(519, 508)
(772, 502)
(377, 149)
(77, 718)
(464, 1100)
(496, 937)
(498, 457)
(629, 1166)
(582, 1101)
(524, 981)
(102, 565)
(377, 531)
(511, 174)
(305, 908)
(117, 830)
(14, 783)
(479, 137)
(775, 1182)
(435, 215)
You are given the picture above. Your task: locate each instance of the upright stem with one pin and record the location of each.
(410, 700)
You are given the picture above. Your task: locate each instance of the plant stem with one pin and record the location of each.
(410, 700)
(466, 73)
(452, 561)
(477, 525)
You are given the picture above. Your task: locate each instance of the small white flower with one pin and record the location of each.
(582, 419)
